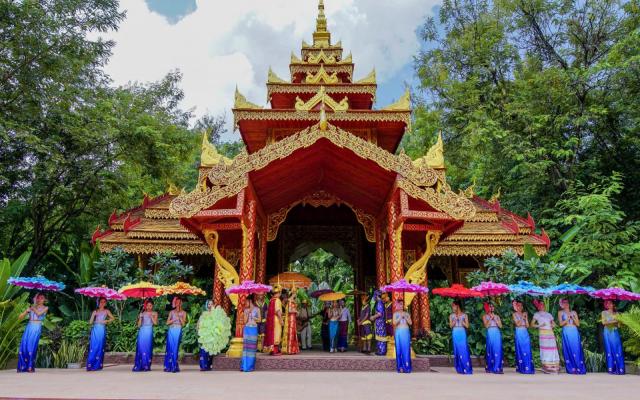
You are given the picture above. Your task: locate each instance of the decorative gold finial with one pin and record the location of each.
(273, 78)
(209, 156)
(434, 157)
(323, 118)
(321, 37)
(495, 197)
(403, 103)
(369, 79)
(242, 102)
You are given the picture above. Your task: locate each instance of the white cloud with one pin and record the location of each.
(227, 43)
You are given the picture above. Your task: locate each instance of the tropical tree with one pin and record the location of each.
(12, 303)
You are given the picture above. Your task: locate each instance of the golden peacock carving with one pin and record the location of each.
(417, 272)
(226, 273)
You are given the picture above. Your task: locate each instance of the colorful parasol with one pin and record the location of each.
(615, 293)
(456, 291)
(248, 287)
(525, 287)
(404, 287)
(332, 296)
(37, 283)
(107, 293)
(323, 288)
(356, 292)
(489, 288)
(290, 280)
(181, 289)
(569, 288)
(140, 290)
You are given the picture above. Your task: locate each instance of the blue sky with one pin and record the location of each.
(220, 44)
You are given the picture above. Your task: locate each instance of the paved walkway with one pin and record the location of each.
(118, 382)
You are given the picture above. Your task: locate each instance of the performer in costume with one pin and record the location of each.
(290, 340)
(571, 340)
(273, 333)
(612, 344)
(206, 359)
(493, 354)
(364, 325)
(334, 323)
(459, 323)
(401, 324)
(549, 357)
(343, 327)
(98, 337)
(380, 326)
(176, 320)
(524, 358)
(144, 344)
(262, 324)
(250, 336)
(28, 350)
(324, 328)
(388, 313)
(304, 323)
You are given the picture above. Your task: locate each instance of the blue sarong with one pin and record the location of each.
(403, 349)
(613, 351)
(524, 358)
(174, 335)
(461, 354)
(380, 329)
(97, 340)
(29, 347)
(333, 334)
(493, 355)
(572, 350)
(206, 360)
(144, 349)
(249, 348)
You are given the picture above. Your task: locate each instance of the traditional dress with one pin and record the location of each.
(334, 324)
(97, 340)
(572, 345)
(144, 344)
(549, 357)
(262, 324)
(250, 341)
(29, 344)
(388, 317)
(206, 360)
(174, 336)
(402, 337)
(324, 330)
(612, 345)
(524, 358)
(304, 315)
(380, 330)
(273, 332)
(365, 323)
(343, 329)
(290, 339)
(461, 353)
(493, 350)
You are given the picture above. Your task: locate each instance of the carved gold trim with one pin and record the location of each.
(276, 88)
(435, 159)
(322, 76)
(352, 115)
(484, 249)
(157, 247)
(321, 57)
(324, 98)
(417, 272)
(226, 273)
(313, 69)
(335, 51)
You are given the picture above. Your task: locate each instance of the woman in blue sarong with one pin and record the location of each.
(31, 337)
(206, 359)
(493, 354)
(571, 340)
(144, 344)
(459, 323)
(402, 335)
(176, 320)
(524, 358)
(250, 336)
(98, 337)
(379, 324)
(612, 344)
(334, 324)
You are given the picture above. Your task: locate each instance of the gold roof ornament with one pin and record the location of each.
(241, 102)
(209, 155)
(322, 98)
(403, 103)
(322, 77)
(434, 157)
(273, 78)
(295, 59)
(321, 36)
(495, 197)
(469, 192)
(347, 60)
(173, 189)
(323, 118)
(369, 79)
(321, 57)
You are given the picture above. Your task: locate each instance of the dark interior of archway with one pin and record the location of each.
(334, 229)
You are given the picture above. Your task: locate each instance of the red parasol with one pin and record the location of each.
(102, 291)
(456, 291)
(248, 287)
(489, 288)
(140, 290)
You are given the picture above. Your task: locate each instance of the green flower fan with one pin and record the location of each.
(214, 330)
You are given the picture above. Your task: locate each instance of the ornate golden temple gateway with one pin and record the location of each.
(321, 170)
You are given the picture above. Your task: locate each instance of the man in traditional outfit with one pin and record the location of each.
(263, 306)
(388, 313)
(379, 324)
(304, 323)
(273, 332)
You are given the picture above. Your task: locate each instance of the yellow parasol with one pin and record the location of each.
(332, 296)
(181, 289)
(290, 280)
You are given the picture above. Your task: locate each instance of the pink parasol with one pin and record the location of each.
(248, 287)
(615, 293)
(404, 287)
(489, 288)
(456, 291)
(37, 283)
(103, 291)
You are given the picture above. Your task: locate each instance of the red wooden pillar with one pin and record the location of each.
(218, 287)
(381, 273)
(394, 233)
(261, 273)
(247, 260)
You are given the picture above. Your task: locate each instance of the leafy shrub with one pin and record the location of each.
(595, 362)
(69, 352)
(121, 336)
(77, 331)
(160, 337)
(630, 321)
(432, 344)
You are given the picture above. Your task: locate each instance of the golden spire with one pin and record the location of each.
(321, 37)
(434, 157)
(403, 103)
(209, 155)
(242, 102)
